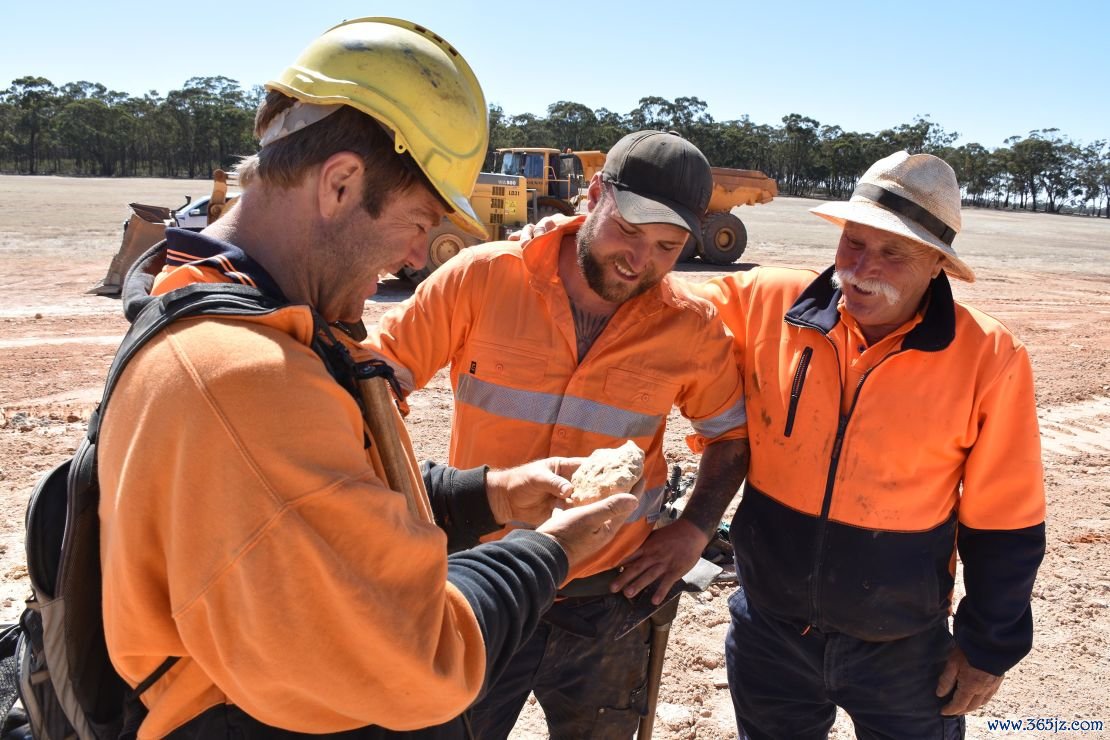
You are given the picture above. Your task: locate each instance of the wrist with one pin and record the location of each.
(497, 493)
(696, 529)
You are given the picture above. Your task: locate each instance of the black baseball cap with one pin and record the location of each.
(659, 178)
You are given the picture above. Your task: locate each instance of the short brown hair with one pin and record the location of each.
(284, 162)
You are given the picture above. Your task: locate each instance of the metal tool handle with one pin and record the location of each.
(660, 632)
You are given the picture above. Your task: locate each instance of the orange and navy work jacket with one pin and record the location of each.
(246, 525)
(871, 466)
(499, 316)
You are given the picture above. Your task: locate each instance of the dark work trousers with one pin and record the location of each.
(787, 685)
(588, 684)
(227, 721)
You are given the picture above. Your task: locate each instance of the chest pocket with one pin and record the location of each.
(504, 365)
(639, 392)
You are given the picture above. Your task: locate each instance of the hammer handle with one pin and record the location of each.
(400, 466)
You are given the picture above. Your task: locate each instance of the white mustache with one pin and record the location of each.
(886, 290)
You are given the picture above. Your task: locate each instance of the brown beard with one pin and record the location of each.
(594, 271)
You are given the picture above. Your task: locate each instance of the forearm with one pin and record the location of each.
(459, 503)
(994, 622)
(722, 470)
(509, 585)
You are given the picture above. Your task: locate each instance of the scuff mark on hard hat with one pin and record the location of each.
(431, 75)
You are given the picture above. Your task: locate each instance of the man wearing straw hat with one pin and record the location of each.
(263, 576)
(891, 427)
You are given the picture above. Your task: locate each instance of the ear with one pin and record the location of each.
(339, 185)
(593, 192)
(941, 262)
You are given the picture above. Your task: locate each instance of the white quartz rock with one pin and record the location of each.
(605, 472)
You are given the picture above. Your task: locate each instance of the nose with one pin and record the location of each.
(865, 263)
(637, 256)
(417, 255)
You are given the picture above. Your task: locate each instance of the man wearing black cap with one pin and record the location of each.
(578, 341)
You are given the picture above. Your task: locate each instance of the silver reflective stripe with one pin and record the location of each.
(723, 422)
(650, 503)
(550, 408)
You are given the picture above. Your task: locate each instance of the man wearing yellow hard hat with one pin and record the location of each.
(254, 545)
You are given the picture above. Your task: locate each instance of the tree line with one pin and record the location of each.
(83, 128)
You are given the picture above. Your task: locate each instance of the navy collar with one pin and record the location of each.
(188, 247)
(183, 247)
(816, 308)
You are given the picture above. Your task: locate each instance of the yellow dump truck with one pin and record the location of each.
(557, 182)
(723, 235)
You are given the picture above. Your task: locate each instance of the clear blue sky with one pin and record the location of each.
(987, 70)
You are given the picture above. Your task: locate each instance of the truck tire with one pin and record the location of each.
(552, 206)
(444, 242)
(723, 239)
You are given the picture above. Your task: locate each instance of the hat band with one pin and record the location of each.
(907, 208)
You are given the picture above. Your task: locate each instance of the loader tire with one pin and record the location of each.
(723, 239)
(444, 242)
(552, 206)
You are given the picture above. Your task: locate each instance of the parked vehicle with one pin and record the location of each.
(194, 215)
(557, 182)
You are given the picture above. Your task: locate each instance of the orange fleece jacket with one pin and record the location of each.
(238, 508)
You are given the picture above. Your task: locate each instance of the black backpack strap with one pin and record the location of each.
(202, 299)
(134, 711)
(343, 368)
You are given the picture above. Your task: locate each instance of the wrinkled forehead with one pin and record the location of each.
(880, 238)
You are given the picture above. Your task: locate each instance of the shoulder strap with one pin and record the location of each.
(203, 299)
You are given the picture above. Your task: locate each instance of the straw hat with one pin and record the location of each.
(915, 196)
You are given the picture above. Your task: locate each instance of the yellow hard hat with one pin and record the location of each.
(411, 81)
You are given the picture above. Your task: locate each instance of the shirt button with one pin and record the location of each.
(643, 396)
(561, 434)
(500, 367)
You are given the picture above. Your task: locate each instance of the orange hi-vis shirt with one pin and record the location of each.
(857, 358)
(246, 525)
(499, 316)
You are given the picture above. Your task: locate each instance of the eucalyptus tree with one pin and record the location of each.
(1093, 175)
(34, 100)
(611, 127)
(652, 112)
(574, 125)
(797, 152)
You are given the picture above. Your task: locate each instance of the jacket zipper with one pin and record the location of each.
(826, 503)
(796, 389)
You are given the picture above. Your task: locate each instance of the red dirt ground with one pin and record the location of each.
(1047, 277)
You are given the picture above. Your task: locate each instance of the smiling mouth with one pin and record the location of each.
(861, 291)
(623, 271)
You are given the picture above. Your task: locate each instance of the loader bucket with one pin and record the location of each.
(145, 228)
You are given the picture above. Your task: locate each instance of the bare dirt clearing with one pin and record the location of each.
(1047, 277)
